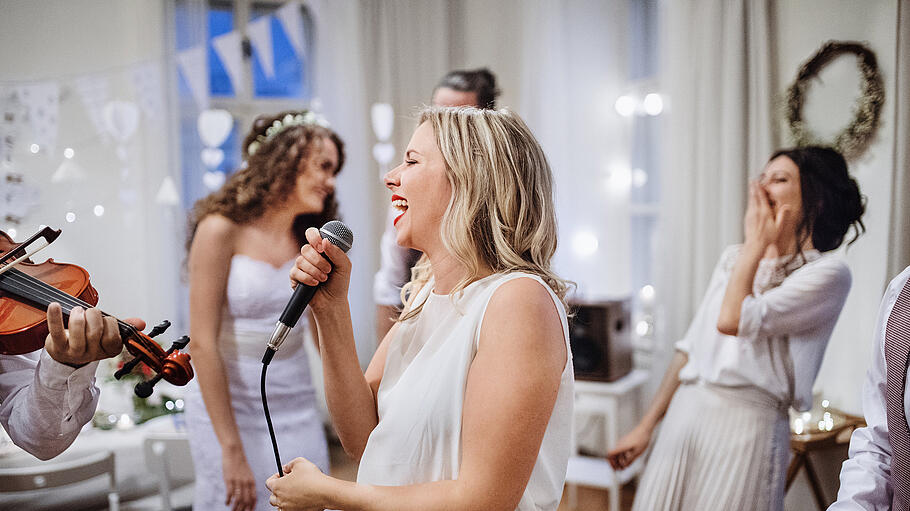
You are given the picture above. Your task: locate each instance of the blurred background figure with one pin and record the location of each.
(243, 241)
(755, 345)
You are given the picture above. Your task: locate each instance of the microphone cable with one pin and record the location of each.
(266, 358)
(339, 235)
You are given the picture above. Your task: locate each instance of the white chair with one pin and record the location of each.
(168, 457)
(53, 474)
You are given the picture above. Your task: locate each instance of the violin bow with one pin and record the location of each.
(47, 233)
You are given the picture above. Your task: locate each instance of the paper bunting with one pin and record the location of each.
(229, 48)
(149, 89)
(42, 101)
(193, 68)
(292, 21)
(167, 193)
(260, 33)
(94, 90)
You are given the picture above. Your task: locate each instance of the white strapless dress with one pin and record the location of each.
(257, 293)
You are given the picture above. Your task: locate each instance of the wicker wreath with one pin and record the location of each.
(853, 140)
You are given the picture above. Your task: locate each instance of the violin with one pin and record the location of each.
(26, 290)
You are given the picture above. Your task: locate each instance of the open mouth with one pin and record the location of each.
(400, 204)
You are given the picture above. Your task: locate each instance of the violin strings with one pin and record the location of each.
(48, 293)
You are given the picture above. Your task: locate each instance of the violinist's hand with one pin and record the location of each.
(90, 336)
(301, 488)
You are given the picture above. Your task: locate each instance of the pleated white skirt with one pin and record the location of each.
(718, 448)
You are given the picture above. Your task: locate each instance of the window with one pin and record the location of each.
(288, 88)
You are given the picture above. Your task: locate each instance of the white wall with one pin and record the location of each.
(131, 252)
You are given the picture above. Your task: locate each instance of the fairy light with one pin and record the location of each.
(99, 210)
(653, 104)
(625, 105)
(68, 153)
(71, 217)
(34, 148)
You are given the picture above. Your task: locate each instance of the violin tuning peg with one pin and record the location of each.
(160, 328)
(144, 388)
(179, 344)
(127, 368)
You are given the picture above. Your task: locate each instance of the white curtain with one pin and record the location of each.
(899, 243)
(573, 65)
(718, 71)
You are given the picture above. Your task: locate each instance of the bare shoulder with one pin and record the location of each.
(215, 236)
(522, 314)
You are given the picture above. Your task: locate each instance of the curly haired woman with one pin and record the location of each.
(242, 243)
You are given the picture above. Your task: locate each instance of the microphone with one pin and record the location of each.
(339, 235)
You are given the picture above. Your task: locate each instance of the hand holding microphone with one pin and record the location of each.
(324, 253)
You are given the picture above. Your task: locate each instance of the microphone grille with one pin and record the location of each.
(338, 234)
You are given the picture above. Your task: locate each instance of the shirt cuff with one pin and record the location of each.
(56, 376)
(750, 317)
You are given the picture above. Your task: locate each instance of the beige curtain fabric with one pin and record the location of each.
(717, 63)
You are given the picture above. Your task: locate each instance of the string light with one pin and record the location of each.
(639, 178)
(653, 104)
(625, 105)
(68, 153)
(585, 243)
(71, 217)
(34, 148)
(99, 210)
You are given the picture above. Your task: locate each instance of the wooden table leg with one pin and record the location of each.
(816, 485)
(795, 464)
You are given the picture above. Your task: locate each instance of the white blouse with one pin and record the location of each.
(421, 397)
(784, 327)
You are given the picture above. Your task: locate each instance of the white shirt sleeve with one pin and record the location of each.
(865, 478)
(43, 403)
(394, 267)
(813, 295)
(717, 277)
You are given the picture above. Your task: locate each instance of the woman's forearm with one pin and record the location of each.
(739, 287)
(348, 395)
(217, 397)
(665, 392)
(451, 495)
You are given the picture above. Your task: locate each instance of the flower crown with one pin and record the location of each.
(288, 121)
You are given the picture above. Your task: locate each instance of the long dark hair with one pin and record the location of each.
(269, 175)
(832, 202)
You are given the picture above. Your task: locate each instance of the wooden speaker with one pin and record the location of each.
(601, 340)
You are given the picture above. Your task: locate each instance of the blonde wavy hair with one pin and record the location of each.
(501, 213)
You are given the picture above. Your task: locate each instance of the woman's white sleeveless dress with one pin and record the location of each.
(421, 396)
(257, 293)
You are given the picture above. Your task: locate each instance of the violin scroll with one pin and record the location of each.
(172, 365)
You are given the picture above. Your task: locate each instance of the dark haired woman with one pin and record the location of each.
(243, 242)
(755, 345)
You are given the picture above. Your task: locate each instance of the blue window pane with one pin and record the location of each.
(290, 80)
(221, 21)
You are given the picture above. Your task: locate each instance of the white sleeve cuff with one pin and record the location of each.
(750, 318)
(56, 376)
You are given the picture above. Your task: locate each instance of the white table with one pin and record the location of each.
(608, 399)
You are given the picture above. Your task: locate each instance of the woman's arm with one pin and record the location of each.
(762, 227)
(209, 264)
(634, 443)
(509, 397)
(350, 396)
